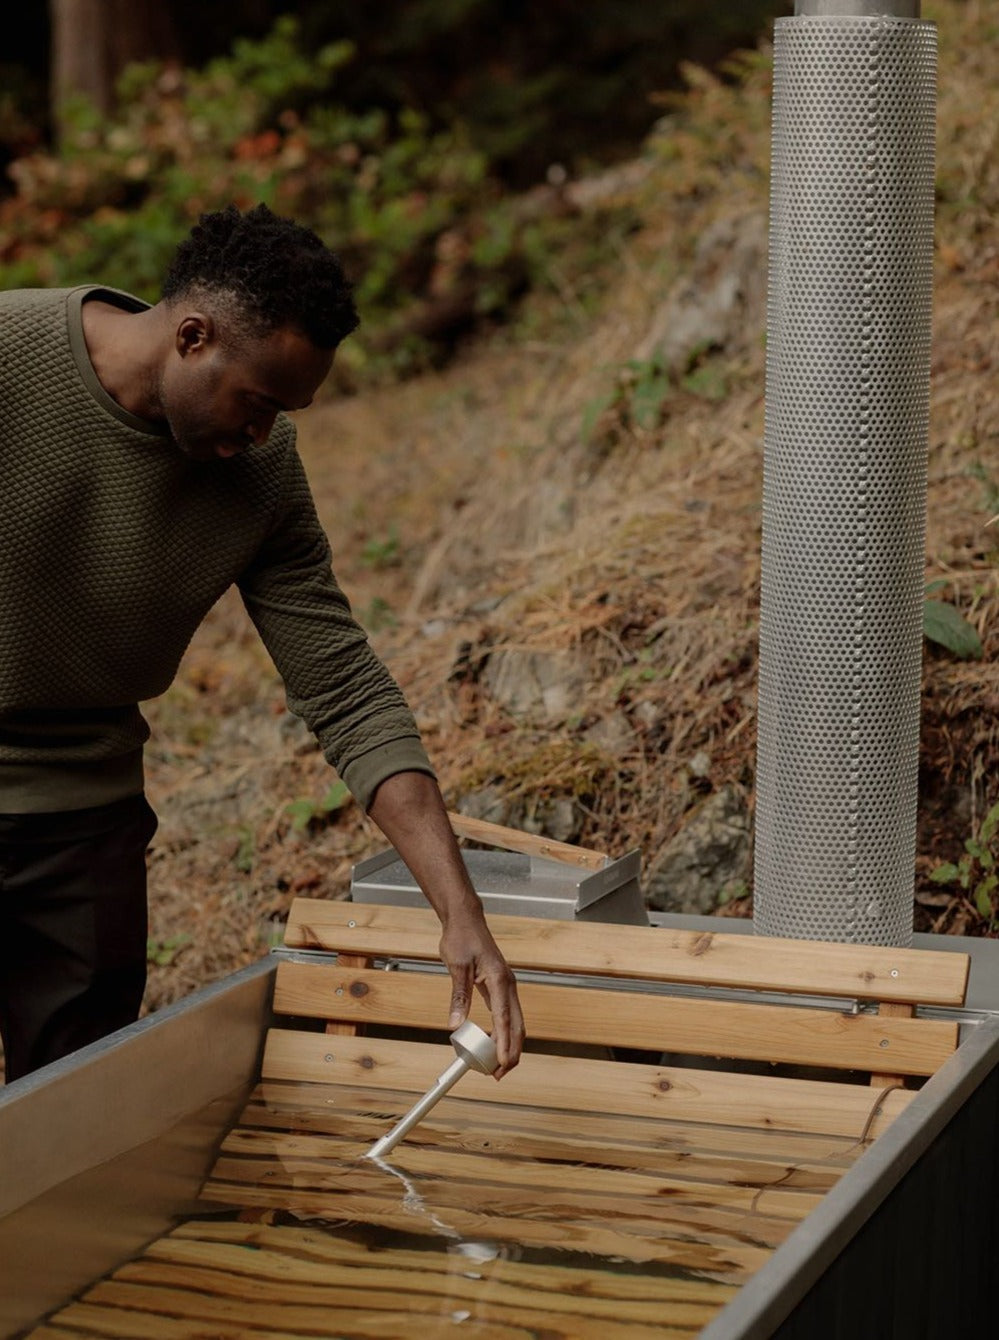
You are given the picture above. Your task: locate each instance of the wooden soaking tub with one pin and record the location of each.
(714, 1135)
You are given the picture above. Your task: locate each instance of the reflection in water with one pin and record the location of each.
(478, 1252)
(462, 1253)
(508, 1223)
(412, 1200)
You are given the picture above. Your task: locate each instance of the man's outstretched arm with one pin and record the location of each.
(409, 809)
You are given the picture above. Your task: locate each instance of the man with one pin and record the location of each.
(147, 464)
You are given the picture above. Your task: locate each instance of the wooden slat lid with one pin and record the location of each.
(795, 1034)
(810, 967)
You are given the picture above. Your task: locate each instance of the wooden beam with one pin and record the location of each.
(292, 1282)
(569, 1083)
(730, 1169)
(335, 1023)
(811, 967)
(504, 1128)
(606, 1191)
(728, 1258)
(738, 1030)
(290, 1244)
(881, 1078)
(527, 844)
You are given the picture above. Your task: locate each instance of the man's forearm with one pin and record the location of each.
(410, 811)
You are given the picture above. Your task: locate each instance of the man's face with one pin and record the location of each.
(220, 398)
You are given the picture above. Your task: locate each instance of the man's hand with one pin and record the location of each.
(410, 811)
(474, 961)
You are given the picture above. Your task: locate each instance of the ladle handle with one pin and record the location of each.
(419, 1110)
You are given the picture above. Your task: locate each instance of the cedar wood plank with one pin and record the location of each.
(738, 1030)
(716, 1097)
(867, 972)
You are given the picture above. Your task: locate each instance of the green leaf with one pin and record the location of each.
(335, 798)
(944, 874)
(304, 810)
(938, 585)
(983, 894)
(300, 812)
(944, 624)
(593, 412)
(246, 851)
(706, 382)
(380, 554)
(163, 953)
(989, 824)
(647, 398)
(378, 615)
(335, 55)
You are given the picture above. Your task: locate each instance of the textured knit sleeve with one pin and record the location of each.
(332, 677)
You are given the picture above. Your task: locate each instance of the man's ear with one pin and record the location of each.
(194, 334)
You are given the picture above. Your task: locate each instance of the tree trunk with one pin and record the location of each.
(93, 41)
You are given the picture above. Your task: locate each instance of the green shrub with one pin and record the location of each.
(261, 124)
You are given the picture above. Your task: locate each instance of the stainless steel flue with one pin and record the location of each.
(844, 494)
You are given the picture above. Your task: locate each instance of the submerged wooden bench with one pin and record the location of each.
(588, 1194)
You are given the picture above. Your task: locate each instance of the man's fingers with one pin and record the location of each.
(509, 1055)
(481, 967)
(461, 997)
(508, 1022)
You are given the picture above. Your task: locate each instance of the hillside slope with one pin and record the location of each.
(555, 544)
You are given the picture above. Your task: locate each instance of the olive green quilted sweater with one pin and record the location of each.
(114, 546)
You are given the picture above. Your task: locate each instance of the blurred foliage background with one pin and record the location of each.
(410, 134)
(588, 187)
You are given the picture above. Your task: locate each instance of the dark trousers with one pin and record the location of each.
(73, 928)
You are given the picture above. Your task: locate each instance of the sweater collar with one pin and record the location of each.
(75, 299)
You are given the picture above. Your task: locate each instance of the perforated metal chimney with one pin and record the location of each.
(844, 493)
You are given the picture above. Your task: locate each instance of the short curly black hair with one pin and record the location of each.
(277, 272)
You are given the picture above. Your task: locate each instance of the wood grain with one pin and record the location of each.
(611, 1197)
(527, 844)
(739, 1030)
(230, 1279)
(724, 1169)
(882, 1078)
(723, 1256)
(866, 972)
(570, 1084)
(590, 1137)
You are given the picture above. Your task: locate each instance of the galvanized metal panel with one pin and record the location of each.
(867, 1262)
(100, 1152)
(515, 884)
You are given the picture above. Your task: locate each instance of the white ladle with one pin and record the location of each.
(476, 1051)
